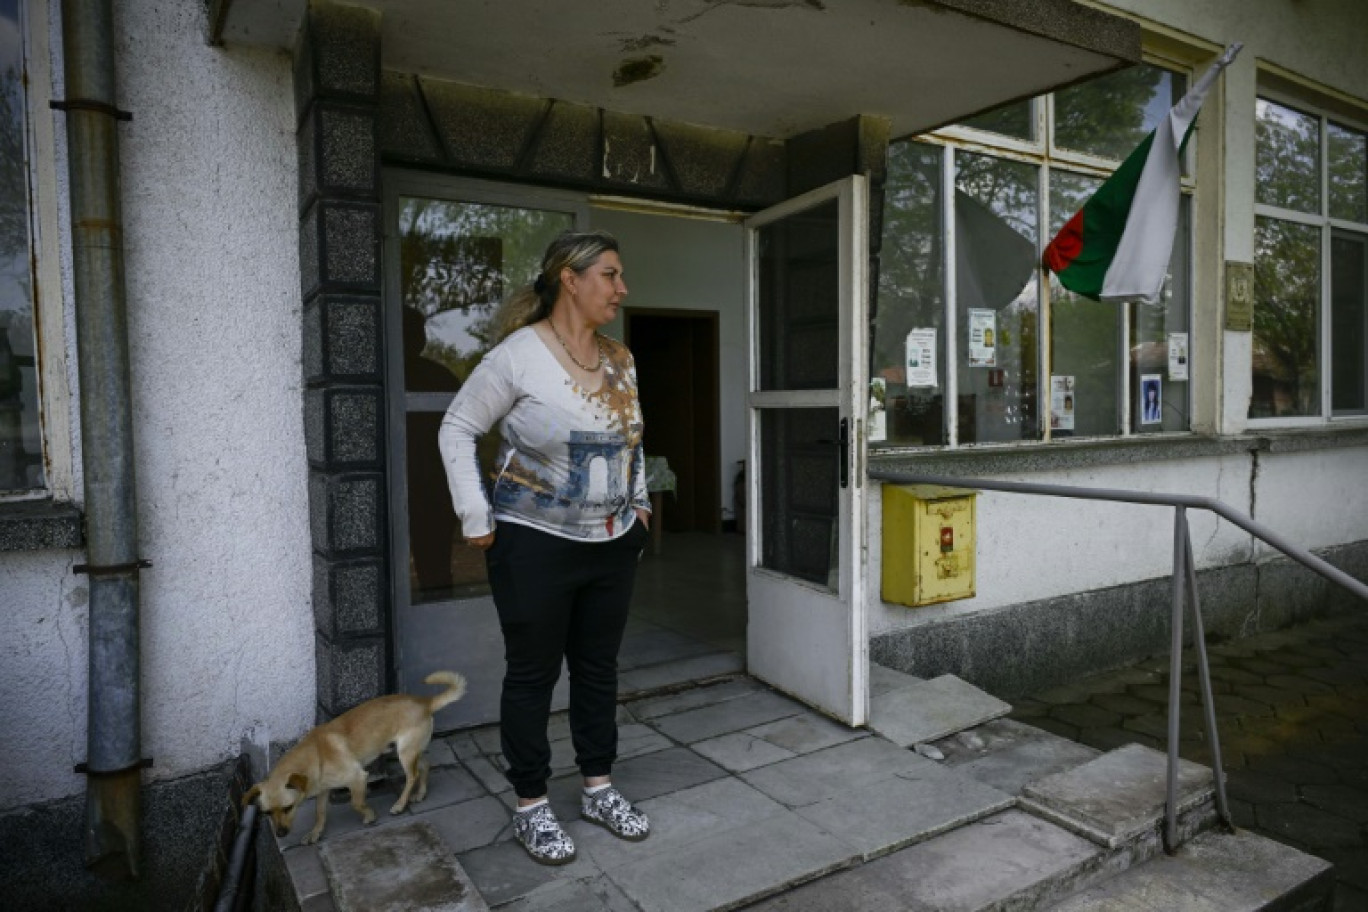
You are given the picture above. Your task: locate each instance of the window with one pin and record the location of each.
(970, 342)
(1310, 347)
(21, 440)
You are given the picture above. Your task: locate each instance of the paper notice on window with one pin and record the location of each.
(1061, 402)
(1151, 399)
(982, 338)
(1178, 356)
(921, 358)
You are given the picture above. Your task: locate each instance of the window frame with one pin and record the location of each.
(49, 247)
(1327, 226)
(1046, 157)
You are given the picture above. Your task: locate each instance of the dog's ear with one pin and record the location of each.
(252, 794)
(300, 782)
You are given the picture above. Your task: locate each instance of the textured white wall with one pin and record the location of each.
(1032, 547)
(1316, 499)
(209, 204)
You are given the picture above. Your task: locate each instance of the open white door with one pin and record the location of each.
(807, 332)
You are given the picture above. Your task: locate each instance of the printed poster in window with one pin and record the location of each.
(921, 358)
(1151, 399)
(1177, 356)
(1061, 402)
(982, 338)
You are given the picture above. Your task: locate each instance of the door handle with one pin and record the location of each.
(844, 439)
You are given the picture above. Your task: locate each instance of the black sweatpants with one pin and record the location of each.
(557, 599)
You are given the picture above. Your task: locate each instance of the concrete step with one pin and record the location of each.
(1239, 872)
(1119, 798)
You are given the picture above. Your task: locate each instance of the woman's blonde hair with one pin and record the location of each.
(577, 250)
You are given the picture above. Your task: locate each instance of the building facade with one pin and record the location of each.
(323, 202)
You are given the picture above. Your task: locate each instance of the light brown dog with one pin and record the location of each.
(336, 753)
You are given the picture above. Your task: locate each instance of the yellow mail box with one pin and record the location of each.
(928, 544)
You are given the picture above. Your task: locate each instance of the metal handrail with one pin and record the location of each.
(1184, 592)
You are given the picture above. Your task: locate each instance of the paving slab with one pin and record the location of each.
(662, 772)
(1118, 795)
(502, 872)
(666, 674)
(594, 894)
(826, 773)
(306, 871)
(397, 870)
(655, 645)
(636, 739)
(729, 716)
(806, 733)
(649, 708)
(1002, 861)
(446, 785)
(1215, 872)
(910, 807)
(1010, 754)
(932, 710)
(470, 825)
(741, 751)
(737, 866)
(677, 820)
(489, 775)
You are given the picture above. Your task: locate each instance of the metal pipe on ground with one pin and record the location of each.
(232, 897)
(114, 737)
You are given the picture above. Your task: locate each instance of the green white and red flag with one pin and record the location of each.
(1117, 247)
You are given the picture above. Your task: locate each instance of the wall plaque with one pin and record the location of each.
(1239, 296)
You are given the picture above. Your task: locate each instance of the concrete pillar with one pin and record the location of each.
(337, 92)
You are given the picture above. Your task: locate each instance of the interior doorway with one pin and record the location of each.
(676, 353)
(684, 321)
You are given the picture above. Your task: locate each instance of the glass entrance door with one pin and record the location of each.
(454, 250)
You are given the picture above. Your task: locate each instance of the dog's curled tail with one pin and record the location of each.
(456, 688)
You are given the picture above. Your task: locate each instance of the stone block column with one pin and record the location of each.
(337, 91)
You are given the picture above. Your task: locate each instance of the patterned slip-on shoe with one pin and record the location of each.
(614, 813)
(539, 832)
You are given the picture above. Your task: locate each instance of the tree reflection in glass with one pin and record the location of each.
(995, 222)
(1286, 299)
(457, 262)
(1014, 120)
(1110, 115)
(910, 293)
(1287, 159)
(1348, 173)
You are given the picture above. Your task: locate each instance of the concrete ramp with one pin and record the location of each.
(925, 711)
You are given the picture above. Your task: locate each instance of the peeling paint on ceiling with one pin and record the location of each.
(638, 70)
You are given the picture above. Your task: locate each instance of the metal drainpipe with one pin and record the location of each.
(114, 750)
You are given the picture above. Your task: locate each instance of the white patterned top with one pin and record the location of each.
(570, 460)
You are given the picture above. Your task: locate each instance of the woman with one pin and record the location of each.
(564, 526)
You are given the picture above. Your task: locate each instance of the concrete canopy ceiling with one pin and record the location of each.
(768, 67)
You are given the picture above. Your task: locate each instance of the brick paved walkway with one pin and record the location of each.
(1292, 711)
